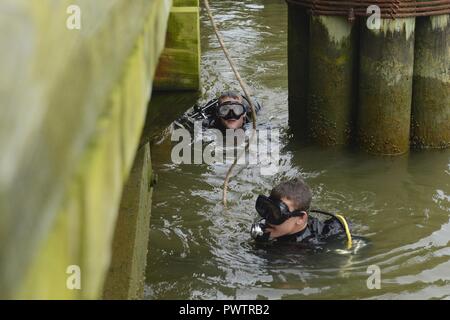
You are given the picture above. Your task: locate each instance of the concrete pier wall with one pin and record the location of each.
(125, 279)
(73, 104)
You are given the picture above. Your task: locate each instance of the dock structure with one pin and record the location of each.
(431, 91)
(331, 93)
(75, 181)
(385, 86)
(372, 72)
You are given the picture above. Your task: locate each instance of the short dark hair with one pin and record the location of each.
(295, 190)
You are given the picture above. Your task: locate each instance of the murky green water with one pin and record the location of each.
(200, 251)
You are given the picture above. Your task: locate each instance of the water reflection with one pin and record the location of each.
(199, 250)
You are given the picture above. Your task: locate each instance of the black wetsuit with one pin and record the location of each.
(207, 114)
(316, 232)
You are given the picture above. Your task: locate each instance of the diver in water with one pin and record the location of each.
(286, 218)
(230, 111)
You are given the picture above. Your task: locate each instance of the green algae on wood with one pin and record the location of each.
(179, 64)
(385, 86)
(430, 123)
(331, 78)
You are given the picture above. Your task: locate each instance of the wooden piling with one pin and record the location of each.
(430, 123)
(298, 44)
(179, 64)
(385, 86)
(330, 97)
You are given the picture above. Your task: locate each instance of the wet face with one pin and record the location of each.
(233, 123)
(291, 225)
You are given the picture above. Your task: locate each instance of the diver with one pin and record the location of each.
(286, 218)
(230, 111)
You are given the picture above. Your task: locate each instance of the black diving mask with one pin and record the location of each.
(230, 110)
(274, 211)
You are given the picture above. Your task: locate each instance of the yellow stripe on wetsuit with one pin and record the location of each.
(347, 230)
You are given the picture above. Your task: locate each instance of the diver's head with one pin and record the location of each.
(295, 193)
(285, 210)
(231, 110)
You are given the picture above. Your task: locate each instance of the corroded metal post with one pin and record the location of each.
(385, 86)
(298, 43)
(330, 96)
(431, 99)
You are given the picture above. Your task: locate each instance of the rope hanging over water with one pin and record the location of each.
(246, 93)
(389, 9)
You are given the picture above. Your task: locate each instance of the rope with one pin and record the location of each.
(246, 93)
